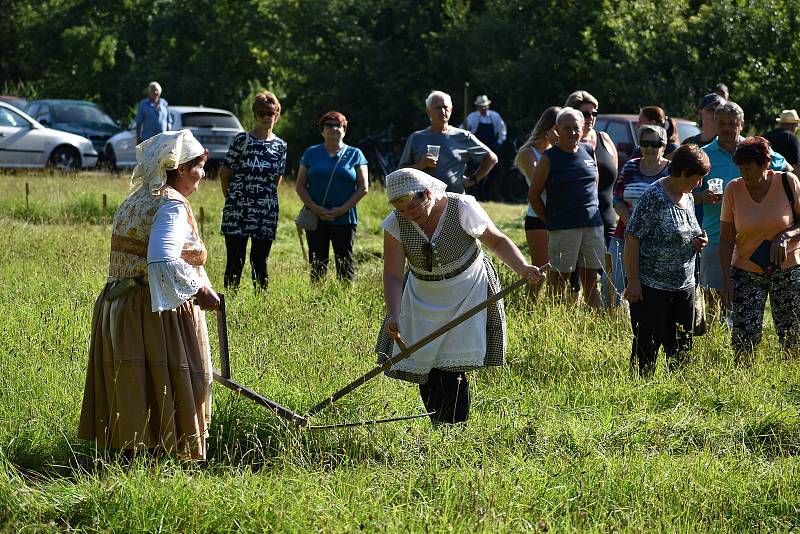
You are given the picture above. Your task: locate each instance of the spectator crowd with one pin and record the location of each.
(677, 231)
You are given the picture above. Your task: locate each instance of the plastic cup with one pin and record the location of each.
(715, 185)
(433, 150)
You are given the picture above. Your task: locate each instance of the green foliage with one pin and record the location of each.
(561, 438)
(375, 60)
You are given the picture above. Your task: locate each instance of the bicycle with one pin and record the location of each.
(383, 151)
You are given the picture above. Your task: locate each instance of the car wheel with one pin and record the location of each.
(111, 159)
(65, 159)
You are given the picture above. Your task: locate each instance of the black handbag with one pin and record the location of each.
(785, 180)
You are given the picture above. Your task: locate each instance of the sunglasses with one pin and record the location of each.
(264, 113)
(333, 125)
(589, 114)
(651, 144)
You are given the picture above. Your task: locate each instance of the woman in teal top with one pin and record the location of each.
(331, 180)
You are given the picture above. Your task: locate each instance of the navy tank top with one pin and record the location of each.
(572, 189)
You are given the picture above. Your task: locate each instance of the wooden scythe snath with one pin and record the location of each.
(224, 374)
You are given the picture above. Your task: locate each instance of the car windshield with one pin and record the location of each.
(209, 120)
(81, 114)
(687, 130)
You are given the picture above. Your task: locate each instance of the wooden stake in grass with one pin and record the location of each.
(105, 202)
(609, 286)
(27, 193)
(202, 222)
(302, 246)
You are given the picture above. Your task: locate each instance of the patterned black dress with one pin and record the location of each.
(251, 208)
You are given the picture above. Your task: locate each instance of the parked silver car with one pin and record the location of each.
(24, 143)
(79, 117)
(214, 128)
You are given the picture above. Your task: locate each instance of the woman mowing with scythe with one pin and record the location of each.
(438, 234)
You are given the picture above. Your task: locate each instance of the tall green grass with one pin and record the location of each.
(561, 438)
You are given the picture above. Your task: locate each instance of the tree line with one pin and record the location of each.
(376, 60)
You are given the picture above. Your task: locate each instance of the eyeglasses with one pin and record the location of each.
(418, 202)
(261, 113)
(333, 125)
(589, 114)
(651, 144)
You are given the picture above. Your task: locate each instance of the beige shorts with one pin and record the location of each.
(577, 247)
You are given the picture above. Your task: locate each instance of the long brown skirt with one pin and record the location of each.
(148, 381)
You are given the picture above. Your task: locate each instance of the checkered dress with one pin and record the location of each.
(452, 252)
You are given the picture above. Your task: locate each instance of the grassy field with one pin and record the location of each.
(561, 438)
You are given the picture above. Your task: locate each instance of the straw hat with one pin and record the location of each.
(482, 100)
(788, 116)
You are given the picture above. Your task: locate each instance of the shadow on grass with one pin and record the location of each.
(773, 434)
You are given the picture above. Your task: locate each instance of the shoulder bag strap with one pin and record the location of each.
(330, 180)
(788, 189)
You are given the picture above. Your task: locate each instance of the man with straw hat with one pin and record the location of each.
(783, 139)
(488, 126)
(148, 380)
(439, 235)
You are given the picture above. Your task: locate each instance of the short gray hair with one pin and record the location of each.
(729, 108)
(658, 131)
(154, 84)
(570, 112)
(438, 94)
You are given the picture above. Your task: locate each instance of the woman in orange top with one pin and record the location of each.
(759, 248)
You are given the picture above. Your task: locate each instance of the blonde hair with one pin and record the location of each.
(546, 121)
(579, 97)
(266, 97)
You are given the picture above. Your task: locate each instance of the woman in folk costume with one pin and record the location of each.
(148, 381)
(439, 235)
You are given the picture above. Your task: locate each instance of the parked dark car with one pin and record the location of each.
(75, 116)
(16, 101)
(624, 131)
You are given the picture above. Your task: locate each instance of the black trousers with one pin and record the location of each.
(236, 248)
(661, 318)
(342, 237)
(447, 394)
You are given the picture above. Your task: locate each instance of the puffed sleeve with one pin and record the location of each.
(474, 219)
(391, 225)
(172, 280)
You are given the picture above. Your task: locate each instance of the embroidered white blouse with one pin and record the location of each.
(172, 280)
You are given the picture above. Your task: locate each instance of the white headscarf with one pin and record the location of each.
(407, 181)
(160, 153)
